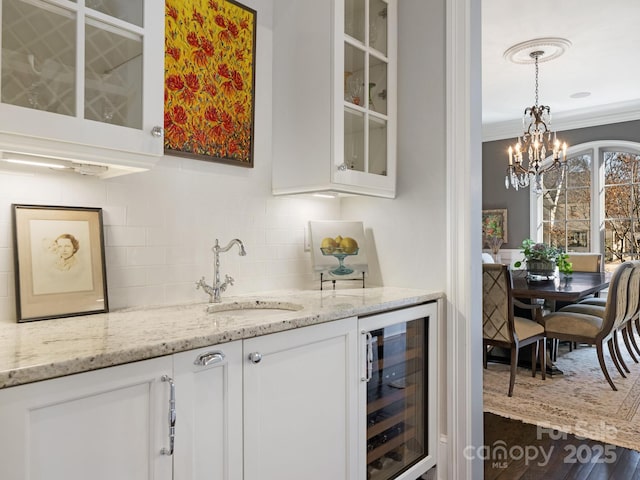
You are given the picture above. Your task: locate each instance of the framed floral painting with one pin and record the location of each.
(209, 90)
(494, 227)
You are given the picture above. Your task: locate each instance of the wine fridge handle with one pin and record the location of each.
(369, 356)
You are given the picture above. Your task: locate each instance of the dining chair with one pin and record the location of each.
(584, 325)
(502, 328)
(626, 324)
(585, 261)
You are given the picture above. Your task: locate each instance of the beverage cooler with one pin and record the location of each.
(399, 387)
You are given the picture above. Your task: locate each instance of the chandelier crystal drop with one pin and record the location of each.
(536, 143)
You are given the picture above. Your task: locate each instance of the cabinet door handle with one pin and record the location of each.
(209, 358)
(369, 355)
(157, 131)
(172, 415)
(255, 357)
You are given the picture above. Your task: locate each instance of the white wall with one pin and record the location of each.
(411, 229)
(160, 225)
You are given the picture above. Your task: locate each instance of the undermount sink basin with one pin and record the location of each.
(249, 307)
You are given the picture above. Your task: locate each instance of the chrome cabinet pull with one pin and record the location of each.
(255, 357)
(157, 131)
(209, 358)
(369, 354)
(172, 415)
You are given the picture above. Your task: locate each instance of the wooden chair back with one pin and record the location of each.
(497, 305)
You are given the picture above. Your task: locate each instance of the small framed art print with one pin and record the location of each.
(59, 262)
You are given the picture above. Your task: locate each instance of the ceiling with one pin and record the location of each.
(603, 59)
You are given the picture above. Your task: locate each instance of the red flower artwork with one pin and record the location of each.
(209, 80)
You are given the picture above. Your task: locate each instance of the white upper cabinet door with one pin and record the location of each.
(83, 74)
(335, 97)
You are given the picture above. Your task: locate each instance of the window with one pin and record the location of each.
(566, 205)
(594, 204)
(621, 206)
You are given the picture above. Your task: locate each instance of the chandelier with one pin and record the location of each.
(536, 143)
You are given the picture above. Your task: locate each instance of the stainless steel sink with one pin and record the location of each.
(252, 307)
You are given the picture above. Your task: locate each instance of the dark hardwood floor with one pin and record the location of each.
(531, 454)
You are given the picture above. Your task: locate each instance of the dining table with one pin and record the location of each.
(570, 288)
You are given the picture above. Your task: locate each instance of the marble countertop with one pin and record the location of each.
(46, 349)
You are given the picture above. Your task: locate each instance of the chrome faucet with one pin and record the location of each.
(217, 288)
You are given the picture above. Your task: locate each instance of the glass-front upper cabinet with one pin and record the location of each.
(335, 96)
(366, 87)
(74, 70)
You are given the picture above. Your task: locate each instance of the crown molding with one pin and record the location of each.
(582, 118)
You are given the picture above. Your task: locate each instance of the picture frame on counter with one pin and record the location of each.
(59, 261)
(338, 250)
(210, 81)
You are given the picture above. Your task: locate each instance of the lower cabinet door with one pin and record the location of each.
(101, 425)
(209, 413)
(300, 404)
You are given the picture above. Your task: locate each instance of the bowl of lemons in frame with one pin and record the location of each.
(340, 248)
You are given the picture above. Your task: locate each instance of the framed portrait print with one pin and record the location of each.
(209, 82)
(59, 262)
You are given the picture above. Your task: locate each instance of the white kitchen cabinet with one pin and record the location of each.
(398, 420)
(209, 413)
(334, 97)
(300, 403)
(105, 424)
(83, 81)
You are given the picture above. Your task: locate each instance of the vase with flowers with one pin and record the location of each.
(543, 259)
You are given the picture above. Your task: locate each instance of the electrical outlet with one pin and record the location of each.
(307, 238)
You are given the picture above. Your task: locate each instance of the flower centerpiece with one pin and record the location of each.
(543, 259)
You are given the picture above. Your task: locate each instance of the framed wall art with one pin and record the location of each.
(338, 250)
(209, 87)
(494, 227)
(59, 262)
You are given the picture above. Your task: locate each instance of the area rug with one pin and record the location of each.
(579, 402)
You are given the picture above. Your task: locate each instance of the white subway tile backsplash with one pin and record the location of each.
(114, 215)
(6, 259)
(146, 255)
(7, 311)
(127, 277)
(136, 296)
(115, 256)
(120, 236)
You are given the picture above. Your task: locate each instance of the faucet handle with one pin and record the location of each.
(200, 283)
(228, 280)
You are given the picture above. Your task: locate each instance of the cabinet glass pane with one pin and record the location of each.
(396, 399)
(354, 75)
(378, 25)
(377, 85)
(354, 19)
(38, 57)
(377, 146)
(127, 10)
(113, 75)
(354, 140)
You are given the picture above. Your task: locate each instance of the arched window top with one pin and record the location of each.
(592, 205)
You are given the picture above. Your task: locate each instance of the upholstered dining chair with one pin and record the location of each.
(626, 323)
(502, 328)
(586, 326)
(585, 262)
